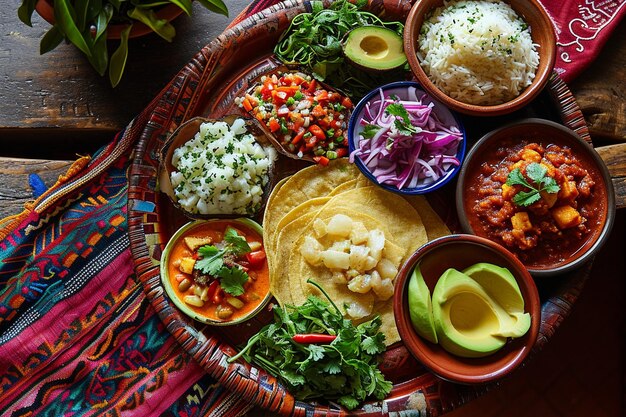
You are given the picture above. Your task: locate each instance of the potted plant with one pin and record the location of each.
(88, 24)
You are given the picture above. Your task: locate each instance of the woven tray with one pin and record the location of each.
(207, 87)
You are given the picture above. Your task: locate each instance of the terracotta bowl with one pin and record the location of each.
(178, 302)
(187, 131)
(448, 117)
(462, 251)
(542, 33)
(544, 132)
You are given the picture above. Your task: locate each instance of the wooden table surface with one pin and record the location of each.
(55, 106)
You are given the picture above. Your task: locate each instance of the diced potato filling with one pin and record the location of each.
(186, 265)
(521, 221)
(566, 216)
(357, 257)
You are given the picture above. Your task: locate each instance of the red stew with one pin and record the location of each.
(542, 225)
(208, 295)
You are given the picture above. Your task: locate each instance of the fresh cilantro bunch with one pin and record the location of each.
(344, 370)
(219, 261)
(537, 174)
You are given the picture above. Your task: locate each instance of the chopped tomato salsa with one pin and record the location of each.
(304, 116)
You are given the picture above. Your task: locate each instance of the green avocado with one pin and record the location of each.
(466, 320)
(420, 306)
(499, 283)
(374, 48)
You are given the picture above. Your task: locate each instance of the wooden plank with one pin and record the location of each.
(61, 90)
(615, 158)
(601, 91)
(15, 190)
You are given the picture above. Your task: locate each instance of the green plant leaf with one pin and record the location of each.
(50, 40)
(94, 9)
(25, 11)
(536, 172)
(118, 58)
(185, 5)
(116, 3)
(64, 14)
(81, 8)
(99, 58)
(104, 17)
(216, 6)
(160, 26)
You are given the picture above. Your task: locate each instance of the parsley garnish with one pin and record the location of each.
(537, 174)
(404, 126)
(344, 370)
(212, 262)
(369, 131)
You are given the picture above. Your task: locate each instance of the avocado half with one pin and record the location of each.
(374, 48)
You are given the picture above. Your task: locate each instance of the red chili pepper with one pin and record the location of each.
(313, 338)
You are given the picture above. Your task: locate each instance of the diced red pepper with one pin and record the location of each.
(313, 338)
(317, 132)
(256, 258)
(274, 125)
(312, 86)
(322, 160)
(341, 152)
(213, 286)
(318, 111)
(219, 295)
(298, 136)
(346, 102)
(311, 141)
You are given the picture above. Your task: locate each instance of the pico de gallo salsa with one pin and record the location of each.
(218, 269)
(307, 119)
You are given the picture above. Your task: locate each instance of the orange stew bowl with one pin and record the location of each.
(215, 271)
(539, 190)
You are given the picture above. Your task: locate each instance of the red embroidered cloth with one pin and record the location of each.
(77, 334)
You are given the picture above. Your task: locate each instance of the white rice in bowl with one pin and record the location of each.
(478, 52)
(222, 170)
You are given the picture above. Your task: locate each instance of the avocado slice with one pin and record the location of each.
(500, 284)
(420, 306)
(468, 321)
(374, 48)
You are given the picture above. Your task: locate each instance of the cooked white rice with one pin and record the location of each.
(478, 52)
(221, 170)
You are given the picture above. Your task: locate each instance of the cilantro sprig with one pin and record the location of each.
(403, 124)
(215, 262)
(540, 182)
(344, 370)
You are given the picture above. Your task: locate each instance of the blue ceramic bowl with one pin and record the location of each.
(401, 89)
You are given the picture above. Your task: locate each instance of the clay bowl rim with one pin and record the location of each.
(180, 304)
(167, 149)
(542, 28)
(483, 369)
(419, 190)
(601, 237)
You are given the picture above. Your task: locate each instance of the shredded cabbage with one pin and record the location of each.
(407, 150)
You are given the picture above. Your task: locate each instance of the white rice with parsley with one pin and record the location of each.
(478, 52)
(222, 170)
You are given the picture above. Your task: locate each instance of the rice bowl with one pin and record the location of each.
(478, 52)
